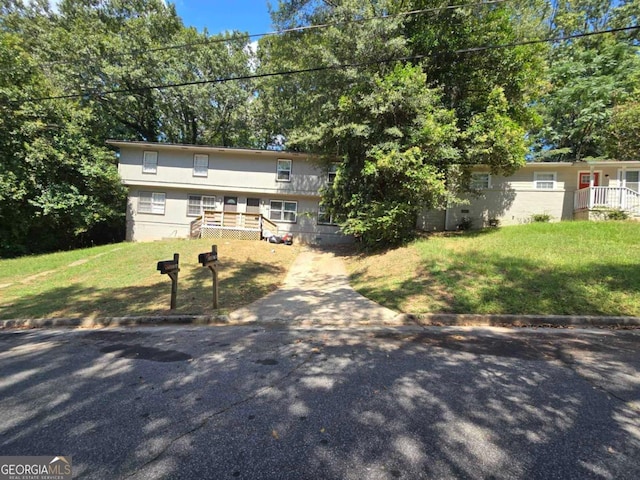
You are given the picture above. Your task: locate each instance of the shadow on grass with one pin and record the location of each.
(240, 284)
(478, 283)
(356, 250)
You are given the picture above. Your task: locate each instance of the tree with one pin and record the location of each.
(393, 135)
(624, 131)
(56, 188)
(398, 126)
(588, 78)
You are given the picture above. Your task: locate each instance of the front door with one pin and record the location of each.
(584, 179)
(230, 204)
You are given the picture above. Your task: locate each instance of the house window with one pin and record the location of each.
(331, 174)
(544, 180)
(150, 162)
(282, 211)
(324, 218)
(198, 203)
(253, 205)
(632, 179)
(283, 173)
(480, 181)
(151, 202)
(200, 165)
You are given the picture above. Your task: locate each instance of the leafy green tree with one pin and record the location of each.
(398, 127)
(587, 78)
(393, 137)
(57, 190)
(624, 132)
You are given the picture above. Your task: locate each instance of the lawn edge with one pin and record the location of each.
(510, 320)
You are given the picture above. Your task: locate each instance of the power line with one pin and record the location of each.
(235, 36)
(329, 67)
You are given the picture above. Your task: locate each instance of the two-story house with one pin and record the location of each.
(182, 191)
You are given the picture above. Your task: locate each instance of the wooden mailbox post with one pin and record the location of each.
(171, 268)
(209, 259)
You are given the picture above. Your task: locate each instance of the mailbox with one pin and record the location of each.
(171, 268)
(168, 266)
(207, 257)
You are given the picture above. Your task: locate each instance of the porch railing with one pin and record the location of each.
(621, 198)
(231, 220)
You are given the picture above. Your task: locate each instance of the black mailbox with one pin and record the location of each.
(168, 266)
(207, 257)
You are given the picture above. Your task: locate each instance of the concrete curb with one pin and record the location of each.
(476, 320)
(114, 321)
(435, 319)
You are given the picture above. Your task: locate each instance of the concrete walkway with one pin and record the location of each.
(316, 292)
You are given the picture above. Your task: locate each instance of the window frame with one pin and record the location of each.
(537, 181)
(282, 210)
(146, 168)
(153, 201)
(281, 170)
(474, 184)
(332, 172)
(201, 205)
(199, 173)
(331, 221)
(622, 178)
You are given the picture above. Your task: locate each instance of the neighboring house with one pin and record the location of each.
(565, 191)
(182, 191)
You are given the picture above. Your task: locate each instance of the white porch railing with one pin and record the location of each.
(615, 198)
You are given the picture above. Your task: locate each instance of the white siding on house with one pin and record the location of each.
(241, 171)
(514, 199)
(231, 173)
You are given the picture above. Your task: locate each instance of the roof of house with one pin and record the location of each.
(203, 148)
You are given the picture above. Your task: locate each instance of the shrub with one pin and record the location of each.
(541, 218)
(465, 224)
(617, 215)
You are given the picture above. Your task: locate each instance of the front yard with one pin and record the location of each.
(585, 268)
(121, 279)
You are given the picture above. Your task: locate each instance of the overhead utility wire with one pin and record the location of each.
(210, 40)
(329, 67)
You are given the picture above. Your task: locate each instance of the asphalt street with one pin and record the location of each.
(360, 403)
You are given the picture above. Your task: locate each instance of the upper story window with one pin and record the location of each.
(283, 173)
(480, 181)
(150, 162)
(200, 165)
(281, 211)
(331, 174)
(544, 180)
(151, 202)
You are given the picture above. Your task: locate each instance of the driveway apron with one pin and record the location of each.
(316, 291)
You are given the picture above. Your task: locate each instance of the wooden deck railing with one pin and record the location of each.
(232, 220)
(269, 225)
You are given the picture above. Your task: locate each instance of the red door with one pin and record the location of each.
(583, 179)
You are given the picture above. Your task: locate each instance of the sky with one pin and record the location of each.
(224, 15)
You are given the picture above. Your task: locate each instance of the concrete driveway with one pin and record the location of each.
(316, 292)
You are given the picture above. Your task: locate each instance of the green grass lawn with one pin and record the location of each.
(582, 268)
(121, 279)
